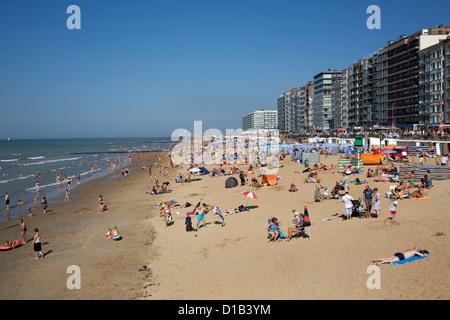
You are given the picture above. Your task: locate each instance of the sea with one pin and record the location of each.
(29, 168)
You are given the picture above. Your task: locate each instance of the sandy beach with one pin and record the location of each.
(153, 262)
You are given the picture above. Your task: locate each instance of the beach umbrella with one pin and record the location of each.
(250, 194)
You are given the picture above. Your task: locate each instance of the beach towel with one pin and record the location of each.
(409, 259)
(219, 213)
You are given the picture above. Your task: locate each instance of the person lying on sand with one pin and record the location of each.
(399, 256)
(419, 193)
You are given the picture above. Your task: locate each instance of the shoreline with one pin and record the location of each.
(69, 231)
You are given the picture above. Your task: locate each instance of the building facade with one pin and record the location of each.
(306, 97)
(287, 106)
(396, 77)
(260, 119)
(322, 104)
(434, 65)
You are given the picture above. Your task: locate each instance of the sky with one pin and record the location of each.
(143, 68)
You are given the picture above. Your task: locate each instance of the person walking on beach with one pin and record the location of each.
(377, 202)
(393, 209)
(37, 247)
(7, 200)
(23, 231)
(44, 204)
(67, 198)
(348, 205)
(242, 177)
(201, 215)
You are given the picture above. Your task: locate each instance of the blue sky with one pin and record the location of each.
(146, 68)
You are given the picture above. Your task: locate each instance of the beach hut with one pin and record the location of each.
(270, 179)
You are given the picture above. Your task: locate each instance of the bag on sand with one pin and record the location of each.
(188, 223)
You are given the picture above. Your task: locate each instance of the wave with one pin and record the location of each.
(9, 160)
(44, 186)
(36, 158)
(52, 161)
(19, 178)
(61, 182)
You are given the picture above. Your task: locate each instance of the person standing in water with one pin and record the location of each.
(7, 200)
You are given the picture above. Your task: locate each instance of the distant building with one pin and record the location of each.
(287, 106)
(322, 104)
(304, 114)
(260, 119)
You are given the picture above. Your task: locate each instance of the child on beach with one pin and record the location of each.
(393, 209)
(377, 202)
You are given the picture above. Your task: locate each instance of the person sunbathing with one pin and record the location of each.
(399, 256)
(293, 188)
(419, 193)
(179, 206)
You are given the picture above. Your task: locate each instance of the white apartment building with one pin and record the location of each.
(260, 119)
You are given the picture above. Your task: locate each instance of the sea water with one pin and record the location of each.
(21, 160)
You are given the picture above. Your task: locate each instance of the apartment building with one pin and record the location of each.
(260, 119)
(434, 65)
(360, 98)
(306, 96)
(322, 103)
(288, 110)
(339, 98)
(396, 78)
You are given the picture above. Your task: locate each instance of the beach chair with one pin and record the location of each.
(394, 178)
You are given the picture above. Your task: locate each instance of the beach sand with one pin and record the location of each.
(233, 262)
